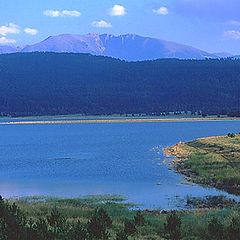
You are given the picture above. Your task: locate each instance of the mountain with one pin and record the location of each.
(128, 47)
(9, 49)
(133, 48)
(223, 54)
(70, 43)
(66, 83)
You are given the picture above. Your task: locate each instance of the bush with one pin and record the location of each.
(42, 229)
(215, 229)
(121, 235)
(173, 227)
(98, 225)
(57, 224)
(139, 219)
(233, 230)
(78, 232)
(12, 221)
(129, 228)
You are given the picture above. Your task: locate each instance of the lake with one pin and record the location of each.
(72, 160)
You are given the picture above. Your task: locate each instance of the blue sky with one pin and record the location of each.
(211, 25)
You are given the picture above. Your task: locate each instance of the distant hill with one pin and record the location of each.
(50, 83)
(9, 49)
(128, 47)
(69, 43)
(136, 48)
(223, 54)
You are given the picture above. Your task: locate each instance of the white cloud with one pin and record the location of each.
(118, 10)
(67, 13)
(101, 24)
(232, 34)
(11, 28)
(161, 11)
(52, 13)
(64, 13)
(4, 40)
(31, 31)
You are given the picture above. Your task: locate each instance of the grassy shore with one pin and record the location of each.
(212, 161)
(63, 217)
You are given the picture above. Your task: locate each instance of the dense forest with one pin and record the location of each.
(61, 83)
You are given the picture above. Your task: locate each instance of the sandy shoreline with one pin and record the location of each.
(96, 121)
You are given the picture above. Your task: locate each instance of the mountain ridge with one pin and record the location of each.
(129, 47)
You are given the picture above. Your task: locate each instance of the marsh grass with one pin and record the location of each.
(75, 208)
(194, 223)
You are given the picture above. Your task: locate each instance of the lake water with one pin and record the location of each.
(75, 160)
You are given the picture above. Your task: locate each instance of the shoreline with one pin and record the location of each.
(111, 120)
(38, 213)
(185, 153)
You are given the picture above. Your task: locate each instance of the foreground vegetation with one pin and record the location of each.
(109, 217)
(213, 161)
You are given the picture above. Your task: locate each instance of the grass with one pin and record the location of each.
(75, 208)
(213, 161)
(194, 223)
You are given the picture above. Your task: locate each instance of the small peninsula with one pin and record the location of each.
(211, 161)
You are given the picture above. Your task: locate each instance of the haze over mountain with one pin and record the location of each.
(128, 47)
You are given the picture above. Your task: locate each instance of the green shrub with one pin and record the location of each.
(139, 219)
(99, 224)
(233, 230)
(78, 232)
(173, 227)
(121, 235)
(216, 229)
(129, 228)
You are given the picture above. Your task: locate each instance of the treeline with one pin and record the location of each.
(14, 225)
(51, 83)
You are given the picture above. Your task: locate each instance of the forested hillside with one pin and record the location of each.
(54, 83)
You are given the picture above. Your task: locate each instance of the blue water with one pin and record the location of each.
(88, 159)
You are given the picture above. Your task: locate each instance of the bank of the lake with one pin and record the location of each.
(106, 119)
(110, 217)
(211, 161)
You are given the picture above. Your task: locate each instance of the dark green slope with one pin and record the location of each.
(50, 83)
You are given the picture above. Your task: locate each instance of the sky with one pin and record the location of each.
(211, 25)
